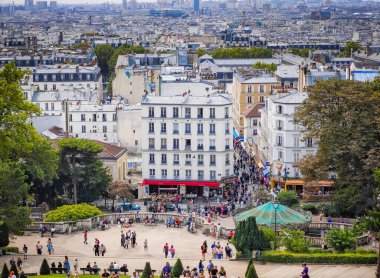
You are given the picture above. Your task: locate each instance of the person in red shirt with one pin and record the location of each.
(166, 250)
(85, 235)
(230, 234)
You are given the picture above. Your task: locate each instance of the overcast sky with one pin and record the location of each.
(68, 1)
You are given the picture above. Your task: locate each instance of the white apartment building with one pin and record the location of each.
(187, 144)
(129, 127)
(280, 141)
(92, 121)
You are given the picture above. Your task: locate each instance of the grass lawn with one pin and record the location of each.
(80, 275)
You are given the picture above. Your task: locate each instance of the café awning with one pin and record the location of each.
(185, 183)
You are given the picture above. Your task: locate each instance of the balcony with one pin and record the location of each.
(226, 116)
(151, 161)
(187, 162)
(175, 116)
(151, 131)
(187, 116)
(188, 147)
(212, 148)
(279, 144)
(152, 177)
(188, 178)
(227, 162)
(164, 162)
(309, 145)
(187, 131)
(176, 162)
(200, 147)
(200, 116)
(212, 163)
(175, 132)
(175, 147)
(163, 115)
(163, 131)
(164, 177)
(200, 178)
(151, 147)
(176, 177)
(279, 127)
(213, 178)
(163, 147)
(151, 115)
(200, 162)
(227, 147)
(227, 132)
(212, 132)
(212, 116)
(200, 132)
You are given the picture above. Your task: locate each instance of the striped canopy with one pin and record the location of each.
(265, 215)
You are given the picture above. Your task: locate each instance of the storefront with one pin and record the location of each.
(227, 183)
(295, 185)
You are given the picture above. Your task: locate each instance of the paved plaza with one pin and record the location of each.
(187, 247)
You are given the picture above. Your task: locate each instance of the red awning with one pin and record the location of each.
(185, 183)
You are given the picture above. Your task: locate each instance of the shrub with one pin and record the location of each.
(312, 208)
(319, 258)
(177, 268)
(249, 264)
(288, 198)
(252, 272)
(249, 237)
(5, 272)
(45, 269)
(72, 213)
(340, 240)
(4, 234)
(147, 271)
(270, 236)
(9, 249)
(294, 241)
(14, 269)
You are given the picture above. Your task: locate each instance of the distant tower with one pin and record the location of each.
(28, 5)
(196, 6)
(125, 4)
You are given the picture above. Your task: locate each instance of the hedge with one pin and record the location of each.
(72, 213)
(323, 258)
(9, 249)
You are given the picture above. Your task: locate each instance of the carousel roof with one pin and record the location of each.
(265, 215)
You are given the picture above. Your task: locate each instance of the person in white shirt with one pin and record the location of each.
(115, 265)
(134, 275)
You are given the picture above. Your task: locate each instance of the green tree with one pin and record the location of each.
(104, 53)
(4, 234)
(341, 240)
(44, 269)
(5, 272)
(147, 271)
(237, 52)
(14, 269)
(251, 272)
(110, 84)
(80, 167)
(249, 264)
(270, 236)
(300, 52)
(201, 52)
(345, 117)
(124, 50)
(294, 241)
(249, 237)
(288, 198)
(119, 189)
(264, 66)
(350, 46)
(177, 268)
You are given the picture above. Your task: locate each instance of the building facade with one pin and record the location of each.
(187, 146)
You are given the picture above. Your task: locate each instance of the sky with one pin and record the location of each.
(68, 1)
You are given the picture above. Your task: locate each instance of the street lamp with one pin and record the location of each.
(275, 205)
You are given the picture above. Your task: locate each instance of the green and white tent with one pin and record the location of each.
(265, 215)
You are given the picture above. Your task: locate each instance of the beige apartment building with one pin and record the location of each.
(248, 89)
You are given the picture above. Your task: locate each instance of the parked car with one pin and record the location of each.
(127, 206)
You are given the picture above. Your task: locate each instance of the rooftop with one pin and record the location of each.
(289, 98)
(214, 99)
(254, 112)
(110, 150)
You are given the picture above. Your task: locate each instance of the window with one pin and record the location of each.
(200, 128)
(279, 141)
(279, 109)
(254, 122)
(164, 158)
(151, 127)
(296, 157)
(212, 175)
(104, 117)
(114, 128)
(163, 112)
(71, 129)
(176, 159)
(188, 174)
(187, 112)
(212, 160)
(163, 144)
(212, 113)
(309, 142)
(53, 77)
(226, 112)
(227, 172)
(176, 174)
(188, 144)
(279, 125)
(200, 144)
(26, 95)
(249, 99)
(261, 99)
(71, 118)
(227, 128)
(94, 117)
(104, 129)
(200, 159)
(212, 144)
(175, 144)
(212, 128)
(175, 128)
(200, 113)
(54, 87)
(187, 128)
(83, 129)
(254, 132)
(227, 144)
(175, 112)
(249, 88)
(114, 117)
(200, 175)
(151, 158)
(296, 141)
(227, 159)
(163, 127)
(261, 88)
(151, 112)
(151, 143)
(152, 173)
(188, 159)
(136, 142)
(46, 106)
(280, 156)
(45, 77)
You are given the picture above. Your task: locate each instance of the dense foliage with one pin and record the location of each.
(14, 269)
(288, 198)
(5, 271)
(301, 52)
(147, 271)
(44, 269)
(249, 237)
(264, 66)
(253, 52)
(177, 268)
(319, 258)
(341, 240)
(345, 117)
(249, 264)
(350, 46)
(294, 241)
(4, 234)
(270, 236)
(309, 207)
(79, 164)
(104, 53)
(124, 50)
(72, 213)
(251, 272)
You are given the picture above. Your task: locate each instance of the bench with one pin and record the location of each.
(142, 270)
(91, 270)
(58, 269)
(31, 274)
(149, 222)
(121, 269)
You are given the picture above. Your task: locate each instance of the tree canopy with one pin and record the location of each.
(238, 52)
(354, 46)
(264, 66)
(345, 118)
(104, 53)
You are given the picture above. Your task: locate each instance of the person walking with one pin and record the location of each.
(96, 249)
(102, 249)
(145, 245)
(25, 249)
(305, 271)
(39, 248)
(166, 250)
(172, 251)
(85, 237)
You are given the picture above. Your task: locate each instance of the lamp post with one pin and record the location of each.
(275, 205)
